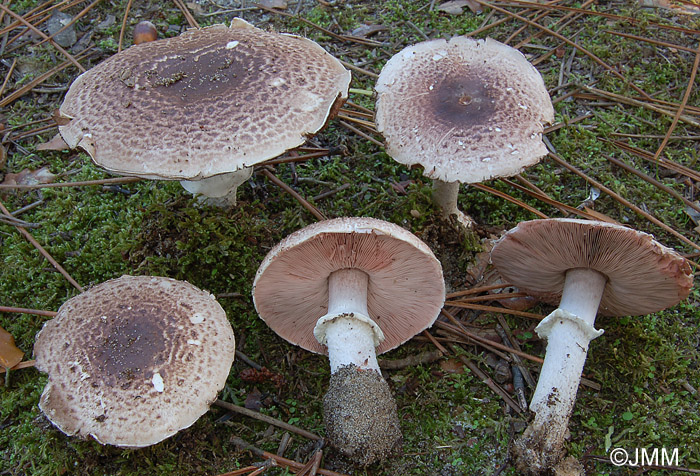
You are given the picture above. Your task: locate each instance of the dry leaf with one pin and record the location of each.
(452, 366)
(279, 4)
(400, 187)
(56, 143)
(59, 119)
(30, 177)
(456, 7)
(10, 355)
(519, 303)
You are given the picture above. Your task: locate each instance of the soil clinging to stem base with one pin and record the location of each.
(360, 415)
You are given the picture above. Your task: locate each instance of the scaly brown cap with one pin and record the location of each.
(405, 293)
(207, 102)
(466, 110)
(133, 360)
(643, 275)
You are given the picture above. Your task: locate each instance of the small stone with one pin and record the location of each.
(58, 20)
(106, 23)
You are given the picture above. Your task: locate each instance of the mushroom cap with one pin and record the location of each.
(643, 275)
(405, 291)
(466, 110)
(133, 360)
(210, 101)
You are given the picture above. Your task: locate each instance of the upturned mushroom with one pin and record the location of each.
(590, 268)
(465, 110)
(134, 360)
(203, 107)
(352, 288)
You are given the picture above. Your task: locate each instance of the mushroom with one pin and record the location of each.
(590, 267)
(134, 360)
(466, 110)
(352, 288)
(203, 107)
(145, 31)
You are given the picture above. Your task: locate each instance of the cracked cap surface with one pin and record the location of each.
(133, 360)
(210, 101)
(466, 110)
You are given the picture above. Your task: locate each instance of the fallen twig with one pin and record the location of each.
(274, 179)
(267, 419)
(109, 181)
(186, 12)
(681, 106)
(33, 83)
(486, 379)
(509, 198)
(22, 310)
(481, 307)
(360, 133)
(22, 365)
(477, 290)
(43, 35)
(643, 104)
(279, 459)
(44, 253)
(123, 28)
(485, 342)
(653, 181)
(567, 41)
(507, 338)
(666, 163)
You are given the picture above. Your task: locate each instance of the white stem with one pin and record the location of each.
(445, 196)
(347, 330)
(347, 291)
(568, 331)
(218, 186)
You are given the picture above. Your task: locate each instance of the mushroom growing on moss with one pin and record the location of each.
(203, 107)
(134, 360)
(589, 267)
(465, 110)
(352, 288)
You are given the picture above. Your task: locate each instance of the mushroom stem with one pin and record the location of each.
(222, 187)
(445, 196)
(347, 330)
(568, 330)
(359, 410)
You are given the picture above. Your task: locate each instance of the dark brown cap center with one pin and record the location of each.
(464, 102)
